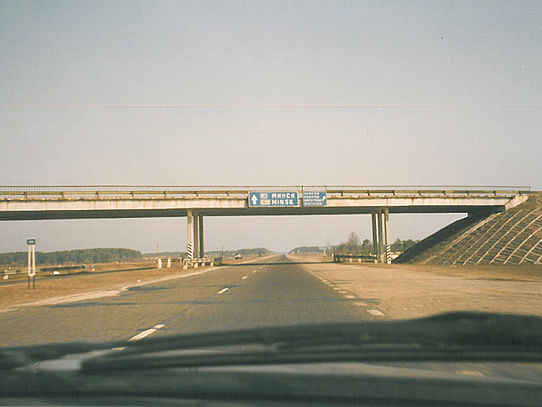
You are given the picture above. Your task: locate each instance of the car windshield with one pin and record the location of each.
(279, 182)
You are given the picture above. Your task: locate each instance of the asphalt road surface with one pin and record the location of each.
(274, 292)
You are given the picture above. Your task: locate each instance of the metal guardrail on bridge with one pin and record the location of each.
(176, 191)
(337, 258)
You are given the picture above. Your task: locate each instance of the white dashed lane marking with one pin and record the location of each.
(375, 312)
(145, 333)
(244, 278)
(223, 290)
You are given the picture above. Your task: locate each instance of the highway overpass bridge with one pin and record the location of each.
(196, 202)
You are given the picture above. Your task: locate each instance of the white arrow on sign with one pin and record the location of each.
(254, 200)
(324, 198)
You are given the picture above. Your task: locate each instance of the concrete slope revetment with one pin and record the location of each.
(510, 237)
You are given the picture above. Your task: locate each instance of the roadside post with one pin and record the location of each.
(31, 262)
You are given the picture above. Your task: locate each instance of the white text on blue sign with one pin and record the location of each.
(279, 198)
(314, 198)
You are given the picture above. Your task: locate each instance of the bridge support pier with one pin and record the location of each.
(380, 254)
(196, 238)
(194, 241)
(380, 222)
(375, 234)
(200, 235)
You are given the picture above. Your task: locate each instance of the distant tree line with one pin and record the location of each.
(354, 246)
(71, 256)
(306, 249)
(215, 253)
(245, 252)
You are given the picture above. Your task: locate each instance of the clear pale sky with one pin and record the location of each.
(263, 93)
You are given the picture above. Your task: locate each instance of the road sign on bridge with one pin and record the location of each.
(314, 198)
(273, 199)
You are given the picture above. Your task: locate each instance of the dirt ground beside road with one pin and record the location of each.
(84, 285)
(410, 291)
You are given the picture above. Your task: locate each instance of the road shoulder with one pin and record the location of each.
(409, 292)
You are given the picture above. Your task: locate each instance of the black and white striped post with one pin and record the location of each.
(387, 235)
(190, 236)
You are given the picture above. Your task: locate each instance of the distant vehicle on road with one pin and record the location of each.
(237, 256)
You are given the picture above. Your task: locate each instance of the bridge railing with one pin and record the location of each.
(176, 191)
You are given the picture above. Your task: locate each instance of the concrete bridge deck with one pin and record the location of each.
(196, 202)
(78, 202)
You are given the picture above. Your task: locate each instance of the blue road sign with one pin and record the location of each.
(314, 198)
(273, 199)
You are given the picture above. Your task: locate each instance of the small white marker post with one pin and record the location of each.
(31, 262)
(159, 265)
(168, 262)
